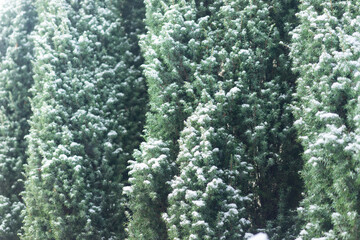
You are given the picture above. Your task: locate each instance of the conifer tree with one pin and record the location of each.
(167, 62)
(326, 53)
(207, 199)
(85, 122)
(15, 81)
(235, 46)
(7, 16)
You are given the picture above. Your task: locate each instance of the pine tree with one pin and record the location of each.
(85, 122)
(212, 45)
(16, 80)
(326, 52)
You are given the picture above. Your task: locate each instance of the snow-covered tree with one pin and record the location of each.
(168, 64)
(207, 199)
(148, 191)
(259, 236)
(85, 122)
(7, 16)
(240, 47)
(250, 57)
(15, 81)
(326, 54)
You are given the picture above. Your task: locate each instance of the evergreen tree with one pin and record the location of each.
(326, 51)
(15, 81)
(239, 47)
(207, 201)
(7, 16)
(167, 62)
(86, 121)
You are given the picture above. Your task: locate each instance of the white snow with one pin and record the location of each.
(77, 168)
(199, 203)
(2, 2)
(138, 167)
(337, 85)
(260, 236)
(112, 134)
(127, 190)
(326, 115)
(190, 194)
(335, 215)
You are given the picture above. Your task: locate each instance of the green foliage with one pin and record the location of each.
(7, 16)
(238, 47)
(169, 107)
(220, 156)
(88, 111)
(207, 199)
(326, 52)
(16, 80)
(148, 190)
(10, 212)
